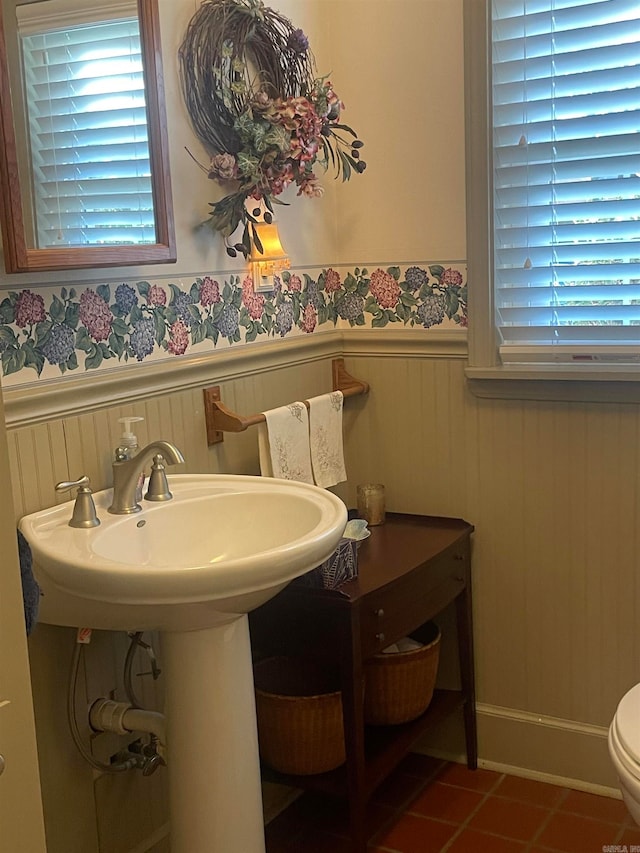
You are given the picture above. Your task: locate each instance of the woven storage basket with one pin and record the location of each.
(399, 685)
(299, 714)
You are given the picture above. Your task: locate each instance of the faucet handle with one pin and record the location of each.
(158, 489)
(84, 510)
(65, 485)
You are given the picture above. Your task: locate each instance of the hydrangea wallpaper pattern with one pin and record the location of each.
(45, 332)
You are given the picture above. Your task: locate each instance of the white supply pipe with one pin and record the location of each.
(106, 715)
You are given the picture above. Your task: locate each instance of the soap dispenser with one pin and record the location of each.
(128, 448)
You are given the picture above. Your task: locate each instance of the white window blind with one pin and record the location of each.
(566, 179)
(87, 129)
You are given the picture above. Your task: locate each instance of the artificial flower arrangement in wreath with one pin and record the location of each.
(258, 106)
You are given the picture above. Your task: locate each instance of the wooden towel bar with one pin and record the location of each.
(220, 419)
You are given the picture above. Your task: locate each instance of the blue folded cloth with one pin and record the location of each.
(30, 588)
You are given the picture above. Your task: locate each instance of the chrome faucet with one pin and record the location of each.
(126, 474)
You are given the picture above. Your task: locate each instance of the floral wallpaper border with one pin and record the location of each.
(46, 332)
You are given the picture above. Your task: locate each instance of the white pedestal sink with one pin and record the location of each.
(193, 568)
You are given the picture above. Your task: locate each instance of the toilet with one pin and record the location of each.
(624, 749)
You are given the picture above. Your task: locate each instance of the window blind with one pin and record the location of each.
(87, 128)
(566, 179)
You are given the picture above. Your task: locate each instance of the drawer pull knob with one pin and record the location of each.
(459, 578)
(380, 637)
(379, 613)
(458, 556)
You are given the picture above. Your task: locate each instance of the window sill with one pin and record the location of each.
(580, 383)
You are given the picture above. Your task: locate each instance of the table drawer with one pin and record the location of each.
(395, 611)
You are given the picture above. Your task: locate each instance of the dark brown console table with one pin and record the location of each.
(409, 570)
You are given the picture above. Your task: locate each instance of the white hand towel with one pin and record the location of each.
(325, 428)
(266, 468)
(284, 444)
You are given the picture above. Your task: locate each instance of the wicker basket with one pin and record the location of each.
(299, 714)
(399, 686)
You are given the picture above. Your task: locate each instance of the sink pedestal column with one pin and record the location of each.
(215, 792)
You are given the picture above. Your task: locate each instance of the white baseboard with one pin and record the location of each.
(149, 844)
(562, 781)
(549, 749)
(276, 798)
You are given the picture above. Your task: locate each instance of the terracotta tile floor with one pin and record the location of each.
(430, 806)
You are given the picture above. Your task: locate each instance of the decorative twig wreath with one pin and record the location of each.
(257, 105)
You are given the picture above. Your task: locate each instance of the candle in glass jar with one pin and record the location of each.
(371, 503)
